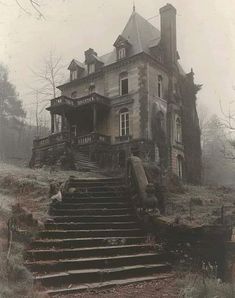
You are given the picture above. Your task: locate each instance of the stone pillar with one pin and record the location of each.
(52, 123)
(94, 118)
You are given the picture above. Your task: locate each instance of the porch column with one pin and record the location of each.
(94, 118)
(52, 123)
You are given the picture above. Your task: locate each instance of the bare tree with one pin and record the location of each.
(29, 7)
(49, 76)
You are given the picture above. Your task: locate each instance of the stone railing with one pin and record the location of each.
(76, 102)
(92, 98)
(51, 139)
(142, 192)
(62, 100)
(93, 138)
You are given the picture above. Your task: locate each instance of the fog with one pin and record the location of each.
(205, 33)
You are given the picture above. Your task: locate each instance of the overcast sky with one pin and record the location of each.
(205, 37)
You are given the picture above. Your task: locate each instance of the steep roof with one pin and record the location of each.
(139, 33)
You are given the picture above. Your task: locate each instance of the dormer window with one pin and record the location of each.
(121, 53)
(91, 68)
(74, 75)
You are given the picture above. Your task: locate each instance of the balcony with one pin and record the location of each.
(64, 103)
(52, 139)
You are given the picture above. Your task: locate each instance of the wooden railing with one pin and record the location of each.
(93, 138)
(51, 139)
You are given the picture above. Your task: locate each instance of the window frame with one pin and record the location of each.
(124, 123)
(74, 74)
(160, 86)
(121, 53)
(122, 79)
(180, 166)
(91, 68)
(178, 129)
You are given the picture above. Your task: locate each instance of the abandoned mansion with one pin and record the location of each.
(135, 100)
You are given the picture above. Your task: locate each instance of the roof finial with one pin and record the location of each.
(133, 6)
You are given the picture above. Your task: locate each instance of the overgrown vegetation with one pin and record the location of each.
(199, 286)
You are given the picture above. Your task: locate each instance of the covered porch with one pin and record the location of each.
(80, 121)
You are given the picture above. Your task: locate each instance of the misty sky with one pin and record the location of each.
(205, 33)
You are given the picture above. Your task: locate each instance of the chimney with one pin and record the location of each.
(168, 33)
(89, 55)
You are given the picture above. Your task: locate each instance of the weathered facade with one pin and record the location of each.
(136, 100)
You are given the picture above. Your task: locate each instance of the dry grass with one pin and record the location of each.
(202, 204)
(30, 189)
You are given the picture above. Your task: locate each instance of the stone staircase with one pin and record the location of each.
(93, 240)
(82, 162)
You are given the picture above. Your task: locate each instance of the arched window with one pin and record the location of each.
(123, 81)
(180, 163)
(178, 130)
(159, 86)
(74, 94)
(124, 122)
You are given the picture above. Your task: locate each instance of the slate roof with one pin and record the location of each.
(141, 34)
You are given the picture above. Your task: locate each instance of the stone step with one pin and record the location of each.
(73, 199)
(116, 211)
(91, 225)
(85, 242)
(54, 234)
(73, 289)
(97, 194)
(96, 182)
(90, 205)
(99, 251)
(104, 188)
(94, 218)
(94, 262)
(99, 275)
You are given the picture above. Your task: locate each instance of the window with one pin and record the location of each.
(91, 68)
(121, 53)
(74, 94)
(91, 89)
(57, 123)
(178, 130)
(74, 75)
(123, 84)
(180, 166)
(160, 121)
(124, 122)
(159, 87)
